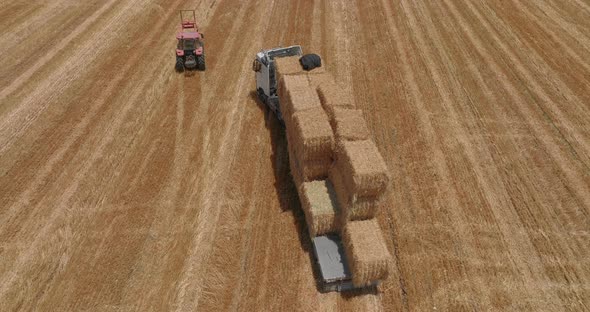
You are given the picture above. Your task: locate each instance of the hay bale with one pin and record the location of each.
(353, 207)
(291, 87)
(298, 100)
(362, 168)
(316, 71)
(289, 65)
(366, 251)
(332, 95)
(319, 203)
(310, 135)
(296, 172)
(349, 125)
(302, 100)
(310, 170)
(321, 78)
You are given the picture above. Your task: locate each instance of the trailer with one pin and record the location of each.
(328, 250)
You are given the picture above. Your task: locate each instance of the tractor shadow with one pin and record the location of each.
(284, 186)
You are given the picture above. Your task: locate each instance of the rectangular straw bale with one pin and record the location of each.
(351, 206)
(289, 88)
(333, 96)
(349, 125)
(288, 65)
(311, 135)
(321, 78)
(303, 100)
(305, 171)
(316, 71)
(295, 169)
(366, 252)
(320, 206)
(362, 168)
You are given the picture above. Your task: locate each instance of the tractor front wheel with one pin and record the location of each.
(179, 65)
(201, 62)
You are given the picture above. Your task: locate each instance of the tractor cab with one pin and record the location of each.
(190, 50)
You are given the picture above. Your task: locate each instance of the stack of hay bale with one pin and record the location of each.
(340, 175)
(310, 144)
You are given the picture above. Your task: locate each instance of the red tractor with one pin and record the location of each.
(190, 51)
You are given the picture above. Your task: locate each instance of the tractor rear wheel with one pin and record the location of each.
(201, 62)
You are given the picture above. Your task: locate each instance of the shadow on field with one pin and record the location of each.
(284, 185)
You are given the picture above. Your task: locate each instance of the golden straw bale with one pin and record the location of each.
(311, 135)
(332, 95)
(349, 125)
(288, 66)
(351, 206)
(289, 88)
(362, 168)
(305, 171)
(366, 252)
(320, 206)
(295, 169)
(321, 79)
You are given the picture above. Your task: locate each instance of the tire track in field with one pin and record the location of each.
(574, 51)
(12, 13)
(488, 186)
(210, 212)
(21, 49)
(543, 98)
(238, 216)
(49, 55)
(65, 145)
(423, 132)
(423, 35)
(516, 100)
(182, 180)
(516, 97)
(578, 142)
(268, 216)
(69, 192)
(549, 142)
(17, 121)
(370, 38)
(571, 22)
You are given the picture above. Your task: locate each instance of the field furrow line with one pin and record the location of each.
(210, 212)
(530, 79)
(14, 123)
(70, 191)
(98, 105)
(49, 55)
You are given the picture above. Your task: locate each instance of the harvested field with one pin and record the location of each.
(127, 186)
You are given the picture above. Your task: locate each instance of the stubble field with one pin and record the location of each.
(127, 186)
